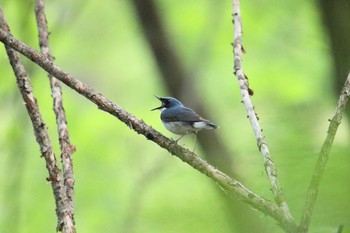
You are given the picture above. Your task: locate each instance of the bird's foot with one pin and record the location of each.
(172, 139)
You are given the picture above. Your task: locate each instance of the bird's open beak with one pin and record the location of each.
(157, 108)
(160, 107)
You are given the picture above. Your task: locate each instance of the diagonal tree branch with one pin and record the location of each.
(323, 157)
(245, 93)
(66, 148)
(232, 186)
(40, 129)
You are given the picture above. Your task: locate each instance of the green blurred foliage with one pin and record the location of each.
(125, 183)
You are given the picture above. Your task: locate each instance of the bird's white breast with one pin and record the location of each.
(178, 127)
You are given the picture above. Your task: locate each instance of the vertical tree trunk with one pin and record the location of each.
(336, 18)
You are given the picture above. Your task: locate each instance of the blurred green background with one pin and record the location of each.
(124, 183)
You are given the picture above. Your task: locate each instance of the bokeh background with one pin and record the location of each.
(131, 50)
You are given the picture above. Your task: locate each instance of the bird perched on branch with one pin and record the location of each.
(181, 120)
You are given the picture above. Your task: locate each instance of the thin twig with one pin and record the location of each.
(232, 186)
(245, 91)
(136, 196)
(323, 157)
(340, 228)
(40, 129)
(66, 148)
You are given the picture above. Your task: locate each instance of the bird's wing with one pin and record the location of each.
(181, 114)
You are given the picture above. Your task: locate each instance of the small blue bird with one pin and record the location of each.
(181, 120)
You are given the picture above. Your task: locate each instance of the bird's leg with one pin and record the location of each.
(195, 140)
(179, 138)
